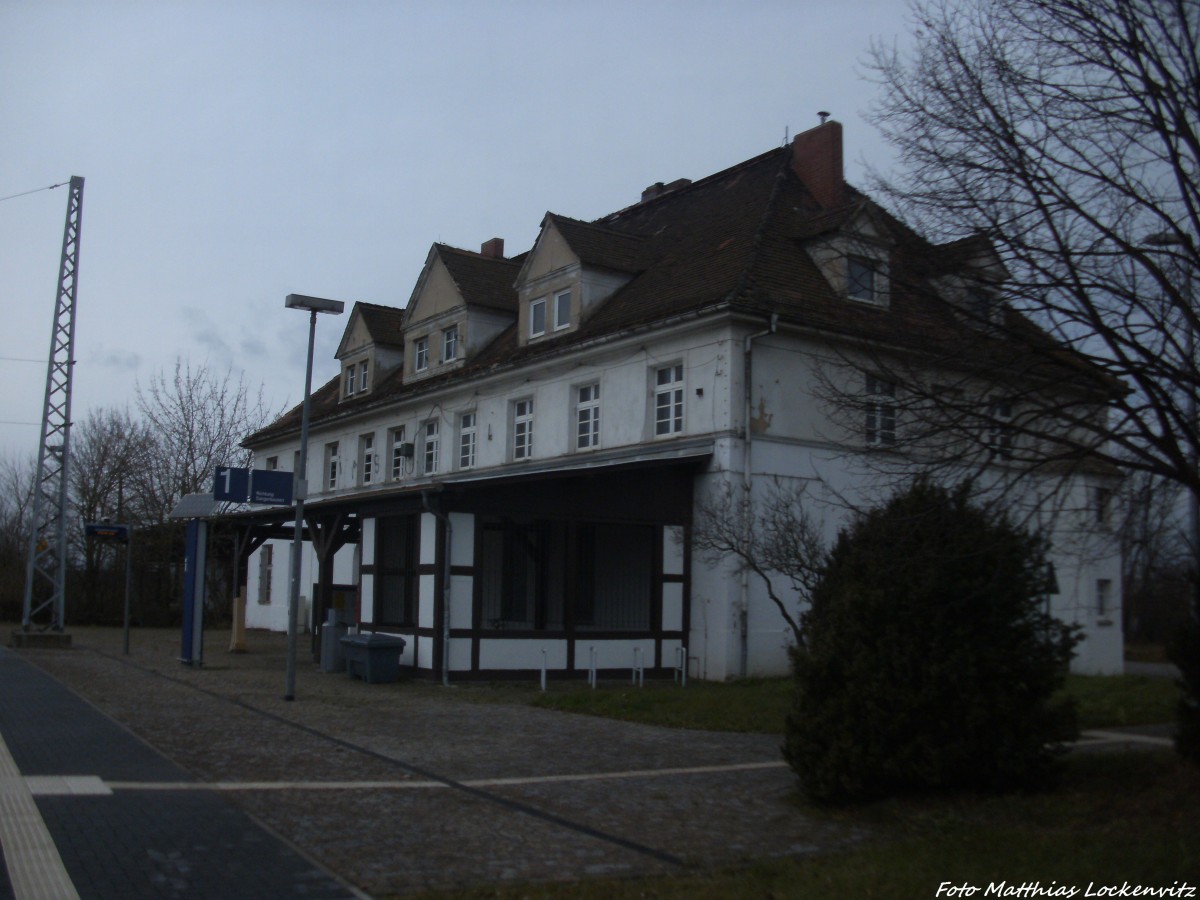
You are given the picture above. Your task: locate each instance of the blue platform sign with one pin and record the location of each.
(271, 487)
(231, 484)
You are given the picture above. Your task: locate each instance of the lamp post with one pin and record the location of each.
(313, 305)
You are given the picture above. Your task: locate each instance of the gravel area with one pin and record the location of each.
(435, 789)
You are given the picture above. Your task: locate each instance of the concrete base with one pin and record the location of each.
(41, 640)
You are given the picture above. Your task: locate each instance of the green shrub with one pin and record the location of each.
(1185, 653)
(927, 660)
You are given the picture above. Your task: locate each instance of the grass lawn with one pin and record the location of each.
(761, 704)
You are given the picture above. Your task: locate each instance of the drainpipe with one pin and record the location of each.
(747, 377)
(444, 518)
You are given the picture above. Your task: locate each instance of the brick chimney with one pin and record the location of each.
(494, 249)
(817, 159)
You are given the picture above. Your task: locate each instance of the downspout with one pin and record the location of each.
(747, 377)
(444, 518)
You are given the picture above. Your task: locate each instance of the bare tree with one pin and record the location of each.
(772, 538)
(1050, 153)
(16, 510)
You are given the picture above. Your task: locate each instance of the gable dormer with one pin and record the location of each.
(970, 277)
(461, 302)
(573, 268)
(856, 257)
(371, 348)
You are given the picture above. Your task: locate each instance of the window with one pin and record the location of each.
(1103, 596)
(999, 435)
(266, 566)
(396, 570)
(587, 417)
(272, 463)
(350, 381)
(429, 449)
(366, 458)
(363, 368)
(1102, 503)
(537, 317)
(880, 412)
(421, 355)
(450, 344)
(331, 465)
(668, 401)
(398, 453)
(523, 429)
(860, 279)
(466, 441)
(562, 309)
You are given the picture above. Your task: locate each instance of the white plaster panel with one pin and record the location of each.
(425, 600)
(366, 608)
(521, 654)
(367, 542)
(461, 589)
(428, 552)
(673, 550)
(672, 607)
(612, 654)
(460, 654)
(463, 550)
(424, 647)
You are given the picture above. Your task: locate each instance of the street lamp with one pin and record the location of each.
(313, 305)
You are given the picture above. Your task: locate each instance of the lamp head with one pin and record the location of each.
(314, 304)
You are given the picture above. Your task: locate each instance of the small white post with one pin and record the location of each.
(543, 670)
(681, 666)
(592, 669)
(639, 673)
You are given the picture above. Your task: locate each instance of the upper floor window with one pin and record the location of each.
(1102, 504)
(862, 279)
(421, 354)
(587, 417)
(999, 435)
(523, 429)
(880, 408)
(562, 309)
(366, 459)
(668, 400)
(272, 463)
(363, 369)
(537, 317)
(350, 373)
(450, 344)
(466, 441)
(398, 453)
(429, 450)
(332, 461)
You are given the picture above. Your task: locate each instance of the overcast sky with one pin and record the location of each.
(236, 152)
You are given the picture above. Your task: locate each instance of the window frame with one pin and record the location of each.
(421, 354)
(879, 412)
(363, 371)
(673, 392)
(537, 310)
(366, 462)
(559, 296)
(349, 380)
(332, 465)
(854, 287)
(468, 439)
(522, 430)
(396, 438)
(430, 447)
(587, 416)
(450, 344)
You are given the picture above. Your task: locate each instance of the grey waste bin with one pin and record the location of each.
(333, 659)
(375, 658)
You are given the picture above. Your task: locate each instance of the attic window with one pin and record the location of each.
(562, 310)
(861, 278)
(421, 355)
(537, 317)
(450, 344)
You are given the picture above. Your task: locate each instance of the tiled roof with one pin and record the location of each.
(483, 280)
(384, 323)
(735, 242)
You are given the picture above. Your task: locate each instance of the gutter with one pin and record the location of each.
(748, 384)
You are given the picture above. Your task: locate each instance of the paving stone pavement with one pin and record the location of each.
(414, 786)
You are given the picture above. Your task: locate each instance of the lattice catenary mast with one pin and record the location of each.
(46, 571)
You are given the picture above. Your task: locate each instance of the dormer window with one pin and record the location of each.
(356, 378)
(350, 370)
(862, 280)
(450, 344)
(421, 354)
(537, 317)
(562, 310)
(363, 369)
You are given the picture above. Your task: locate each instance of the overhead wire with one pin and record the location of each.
(34, 191)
